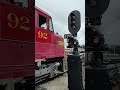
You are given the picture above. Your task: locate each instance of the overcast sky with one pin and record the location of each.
(59, 10)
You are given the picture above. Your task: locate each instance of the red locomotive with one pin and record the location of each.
(49, 47)
(28, 45)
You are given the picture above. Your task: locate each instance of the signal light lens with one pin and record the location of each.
(73, 15)
(73, 26)
(73, 21)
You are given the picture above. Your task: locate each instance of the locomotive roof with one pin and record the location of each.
(37, 8)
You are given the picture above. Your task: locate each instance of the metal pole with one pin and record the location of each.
(74, 71)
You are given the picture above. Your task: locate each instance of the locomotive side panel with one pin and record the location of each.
(59, 46)
(16, 41)
(17, 25)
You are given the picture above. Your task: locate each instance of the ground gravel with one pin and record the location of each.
(59, 83)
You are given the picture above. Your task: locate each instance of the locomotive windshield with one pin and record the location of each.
(42, 22)
(51, 25)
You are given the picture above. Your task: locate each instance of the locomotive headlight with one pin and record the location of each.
(96, 40)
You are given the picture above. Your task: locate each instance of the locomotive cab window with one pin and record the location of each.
(42, 22)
